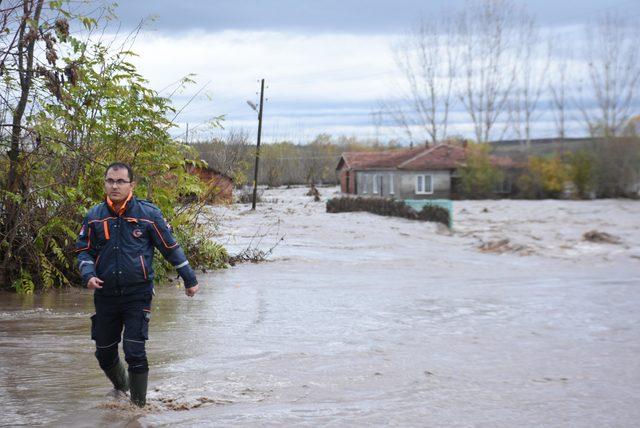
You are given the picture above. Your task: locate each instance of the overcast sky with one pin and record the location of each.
(327, 63)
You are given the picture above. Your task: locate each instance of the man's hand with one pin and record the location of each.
(94, 283)
(191, 291)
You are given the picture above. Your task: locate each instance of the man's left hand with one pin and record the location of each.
(191, 291)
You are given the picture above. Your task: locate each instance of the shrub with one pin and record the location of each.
(388, 207)
(478, 177)
(582, 171)
(544, 177)
(434, 213)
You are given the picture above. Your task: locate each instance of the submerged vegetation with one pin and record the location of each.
(388, 207)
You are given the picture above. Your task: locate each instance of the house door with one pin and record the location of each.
(456, 188)
(347, 188)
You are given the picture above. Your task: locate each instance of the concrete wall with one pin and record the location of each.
(386, 183)
(441, 185)
(404, 184)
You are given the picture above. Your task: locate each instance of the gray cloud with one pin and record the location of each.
(350, 16)
(326, 62)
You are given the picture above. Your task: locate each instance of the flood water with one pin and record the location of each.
(275, 344)
(376, 334)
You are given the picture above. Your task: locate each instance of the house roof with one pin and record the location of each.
(207, 170)
(442, 156)
(378, 159)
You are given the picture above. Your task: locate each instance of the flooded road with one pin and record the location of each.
(373, 331)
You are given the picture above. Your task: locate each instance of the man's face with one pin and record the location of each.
(117, 185)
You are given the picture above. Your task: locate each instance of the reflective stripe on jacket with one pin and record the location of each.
(118, 249)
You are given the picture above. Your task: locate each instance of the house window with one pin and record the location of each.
(375, 183)
(424, 184)
(364, 184)
(391, 191)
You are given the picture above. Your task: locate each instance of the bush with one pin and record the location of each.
(434, 213)
(582, 171)
(478, 177)
(544, 177)
(388, 207)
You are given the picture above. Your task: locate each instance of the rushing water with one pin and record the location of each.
(282, 343)
(361, 321)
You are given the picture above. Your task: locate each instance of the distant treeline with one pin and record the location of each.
(586, 168)
(282, 163)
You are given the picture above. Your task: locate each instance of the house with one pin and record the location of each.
(219, 185)
(417, 173)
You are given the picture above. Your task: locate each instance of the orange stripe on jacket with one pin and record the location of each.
(105, 225)
(102, 219)
(160, 235)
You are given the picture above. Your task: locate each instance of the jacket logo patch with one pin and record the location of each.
(137, 233)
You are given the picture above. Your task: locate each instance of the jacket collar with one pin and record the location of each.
(119, 209)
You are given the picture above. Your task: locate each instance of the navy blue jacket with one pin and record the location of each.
(118, 249)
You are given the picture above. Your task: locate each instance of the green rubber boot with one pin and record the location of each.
(138, 387)
(118, 377)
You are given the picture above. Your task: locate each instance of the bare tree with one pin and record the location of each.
(230, 155)
(558, 90)
(427, 60)
(532, 64)
(487, 35)
(314, 159)
(399, 114)
(613, 73)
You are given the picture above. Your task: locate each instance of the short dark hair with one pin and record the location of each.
(120, 165)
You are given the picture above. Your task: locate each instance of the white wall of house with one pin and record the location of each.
(404, 184)
(377, 183)
(424, 184)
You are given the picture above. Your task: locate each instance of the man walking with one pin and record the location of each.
(115, 252)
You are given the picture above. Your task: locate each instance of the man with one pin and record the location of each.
(115, 252)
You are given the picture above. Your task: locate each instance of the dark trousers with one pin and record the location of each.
(113, 314)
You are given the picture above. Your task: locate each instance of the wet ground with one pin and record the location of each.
(349, 325)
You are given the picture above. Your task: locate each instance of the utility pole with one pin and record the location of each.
(255, 175)
(186, 138)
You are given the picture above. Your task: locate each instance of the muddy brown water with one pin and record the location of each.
(347, 343)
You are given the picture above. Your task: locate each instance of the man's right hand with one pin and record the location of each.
(94, 283)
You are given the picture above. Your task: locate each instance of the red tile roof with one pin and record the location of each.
(379, 159)
(442, 156)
